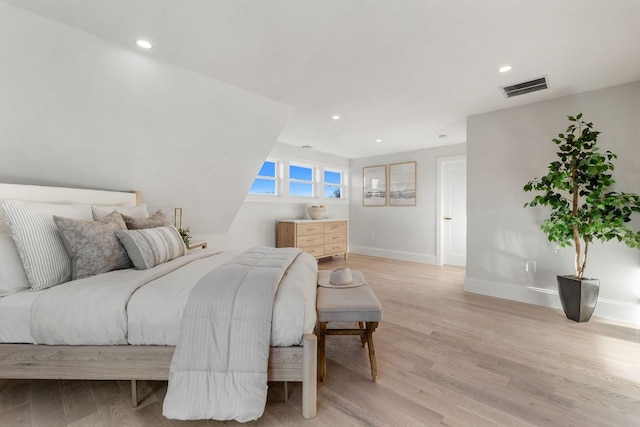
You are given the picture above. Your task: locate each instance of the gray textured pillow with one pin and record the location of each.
(152, 246)
(156, 220)
(41, 249)
(93, 246)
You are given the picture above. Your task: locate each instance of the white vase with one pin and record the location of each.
(316, 212)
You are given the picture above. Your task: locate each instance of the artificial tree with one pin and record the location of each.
(577, 188)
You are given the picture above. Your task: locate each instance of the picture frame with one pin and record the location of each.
(402, 184)
(374, 188)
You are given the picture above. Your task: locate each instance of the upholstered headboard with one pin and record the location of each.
(44, 194)
(13, 276)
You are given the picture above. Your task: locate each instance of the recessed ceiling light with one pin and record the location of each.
(335, 117)
(442, 136)
(505, 68)
(378, 140)
(144, 44)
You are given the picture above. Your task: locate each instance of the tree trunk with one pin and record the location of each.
(574, 212)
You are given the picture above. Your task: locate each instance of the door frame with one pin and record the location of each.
(439, 193)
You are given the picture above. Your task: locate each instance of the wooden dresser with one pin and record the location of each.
(321, 238)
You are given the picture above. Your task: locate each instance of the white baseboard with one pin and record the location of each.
(607, 308)
(399, 255)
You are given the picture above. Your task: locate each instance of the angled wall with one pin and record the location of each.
(76, 110)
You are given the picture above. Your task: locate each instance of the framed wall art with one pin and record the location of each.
(402, 184)
(374, 186)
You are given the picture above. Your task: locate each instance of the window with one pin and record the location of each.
(300, 181)
(266, 182)
(283, 178)
(333, 184)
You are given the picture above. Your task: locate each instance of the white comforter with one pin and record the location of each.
(145, 307)
(219, 369)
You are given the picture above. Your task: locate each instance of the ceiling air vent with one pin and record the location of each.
(525, 87)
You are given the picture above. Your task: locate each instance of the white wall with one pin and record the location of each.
(76, 110)
(509, 147)
(255, 223)
(400, 232)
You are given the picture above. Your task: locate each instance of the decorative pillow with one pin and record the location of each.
(101, 211)
(93, 245)
(152, 246)
(12, 275)
(156, 220)
(41, 250)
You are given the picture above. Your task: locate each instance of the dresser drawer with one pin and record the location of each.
(316, 251)
(336, 227)
(310, 228)
(305, 241)
(335, 248)
(335, 238)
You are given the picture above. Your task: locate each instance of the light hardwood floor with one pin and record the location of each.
(445, 357)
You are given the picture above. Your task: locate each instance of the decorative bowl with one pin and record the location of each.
(316, 212)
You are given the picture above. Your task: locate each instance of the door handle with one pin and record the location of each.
(447, 218)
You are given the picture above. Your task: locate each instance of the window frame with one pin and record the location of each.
(313, 182)
(276, 178)
(342, 186)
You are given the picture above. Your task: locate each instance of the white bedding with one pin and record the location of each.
(15, 317)
(153, 312)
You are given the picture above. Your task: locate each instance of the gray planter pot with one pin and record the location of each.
(578, 297)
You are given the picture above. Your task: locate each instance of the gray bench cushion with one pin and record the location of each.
(348, 305)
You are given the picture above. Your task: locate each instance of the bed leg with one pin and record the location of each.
(309, 376)
(134, 393)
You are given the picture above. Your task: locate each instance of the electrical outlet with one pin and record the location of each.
(372, 237)
(530, 266)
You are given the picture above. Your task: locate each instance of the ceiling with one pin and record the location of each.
(405, 72)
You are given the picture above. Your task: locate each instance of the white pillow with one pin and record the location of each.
(101, 211)
(12, 275)
(152, 246)
(35, 234)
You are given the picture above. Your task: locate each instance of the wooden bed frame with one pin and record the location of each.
(130, 362)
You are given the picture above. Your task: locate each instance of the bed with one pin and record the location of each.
(144, 336)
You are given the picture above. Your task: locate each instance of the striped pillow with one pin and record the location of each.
(152, 246)
(41, 250)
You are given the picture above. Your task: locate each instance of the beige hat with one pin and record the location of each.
(341, 277)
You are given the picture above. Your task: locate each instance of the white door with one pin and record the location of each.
(453, 211)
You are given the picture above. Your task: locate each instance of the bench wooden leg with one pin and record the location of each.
(371, 326)
(363, 335)
(322, 362)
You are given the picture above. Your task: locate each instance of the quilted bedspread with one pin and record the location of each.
(219, 369)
